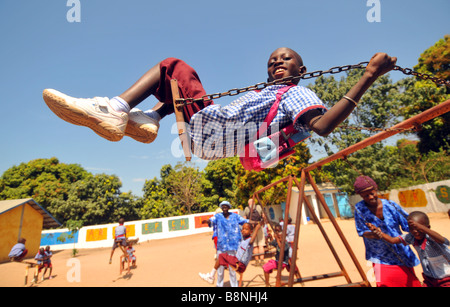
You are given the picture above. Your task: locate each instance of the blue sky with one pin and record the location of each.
(227, 42)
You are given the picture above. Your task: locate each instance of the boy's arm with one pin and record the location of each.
(433, 234)
(383, 236)
(255, 232)
(323, 125)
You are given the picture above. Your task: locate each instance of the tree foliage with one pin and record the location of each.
(421, 95)
(69, 192)
(40, 179)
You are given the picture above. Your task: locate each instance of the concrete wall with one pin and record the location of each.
(431, 197)
(153, 229)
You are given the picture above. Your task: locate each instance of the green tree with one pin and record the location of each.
(95, 200)
(248, 182)
(219, 183)
(41, 179)
(157, 201)
(419, 168)
(379, 108)
(421, 95)
(184, 184)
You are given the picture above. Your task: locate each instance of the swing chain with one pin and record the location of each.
(308, 75)
(409, 71)
(263, 85)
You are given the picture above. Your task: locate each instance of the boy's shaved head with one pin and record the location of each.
(297, 56)
(420, 217)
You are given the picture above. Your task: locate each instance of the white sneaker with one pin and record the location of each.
(206, 277)
(94, 113)
(141, 127)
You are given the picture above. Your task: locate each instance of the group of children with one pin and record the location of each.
(244, 253)
(120, 240)
(432, 248)
(43, 258)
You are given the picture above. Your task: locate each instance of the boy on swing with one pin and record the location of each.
(208, 123)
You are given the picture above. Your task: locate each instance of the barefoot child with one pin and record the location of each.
(432, 248)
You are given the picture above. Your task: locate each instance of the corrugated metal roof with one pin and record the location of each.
(49, 220)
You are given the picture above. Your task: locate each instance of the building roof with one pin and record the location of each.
(49, 220)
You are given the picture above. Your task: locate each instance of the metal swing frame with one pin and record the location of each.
(410, 123)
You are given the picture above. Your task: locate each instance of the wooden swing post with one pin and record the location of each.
(181, 124)
(291, 181)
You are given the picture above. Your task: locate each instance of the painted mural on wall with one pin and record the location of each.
(443, 194)
(412, 198)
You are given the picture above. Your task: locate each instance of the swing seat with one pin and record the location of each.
(181, 123)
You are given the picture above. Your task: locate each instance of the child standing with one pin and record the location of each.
(213, 127)
(120, 238)
(131, 255)
(40, 258)
(48, 263)
(431, 247)
(243, 255)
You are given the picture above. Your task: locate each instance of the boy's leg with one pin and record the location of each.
(112, 251)
(189, 85)
(209, 277)
(233, 278)
(101, 116)
(95, 113)
(156, 81)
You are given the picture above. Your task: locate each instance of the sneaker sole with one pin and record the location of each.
(141, 133)
(206, 280)
(79, 117)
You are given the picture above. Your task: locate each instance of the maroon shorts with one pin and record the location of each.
(431, 282)
(189, 85)
(226, 260)
(21, 256)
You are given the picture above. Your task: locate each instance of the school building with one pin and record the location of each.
(23, 218)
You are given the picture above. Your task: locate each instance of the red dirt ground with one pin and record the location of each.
(176, 262)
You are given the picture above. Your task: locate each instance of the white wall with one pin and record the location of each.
(102, 235)
(417, 198)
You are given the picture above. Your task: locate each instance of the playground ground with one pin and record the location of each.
(176, 262)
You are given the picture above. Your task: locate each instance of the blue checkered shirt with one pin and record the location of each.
(222, 131)
(427, 249)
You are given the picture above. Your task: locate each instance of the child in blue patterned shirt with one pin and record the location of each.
(243, 255)
(431, 247)
(213, 127)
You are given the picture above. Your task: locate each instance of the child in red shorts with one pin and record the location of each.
(272, 264)
(243, 255)
(116, 117)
